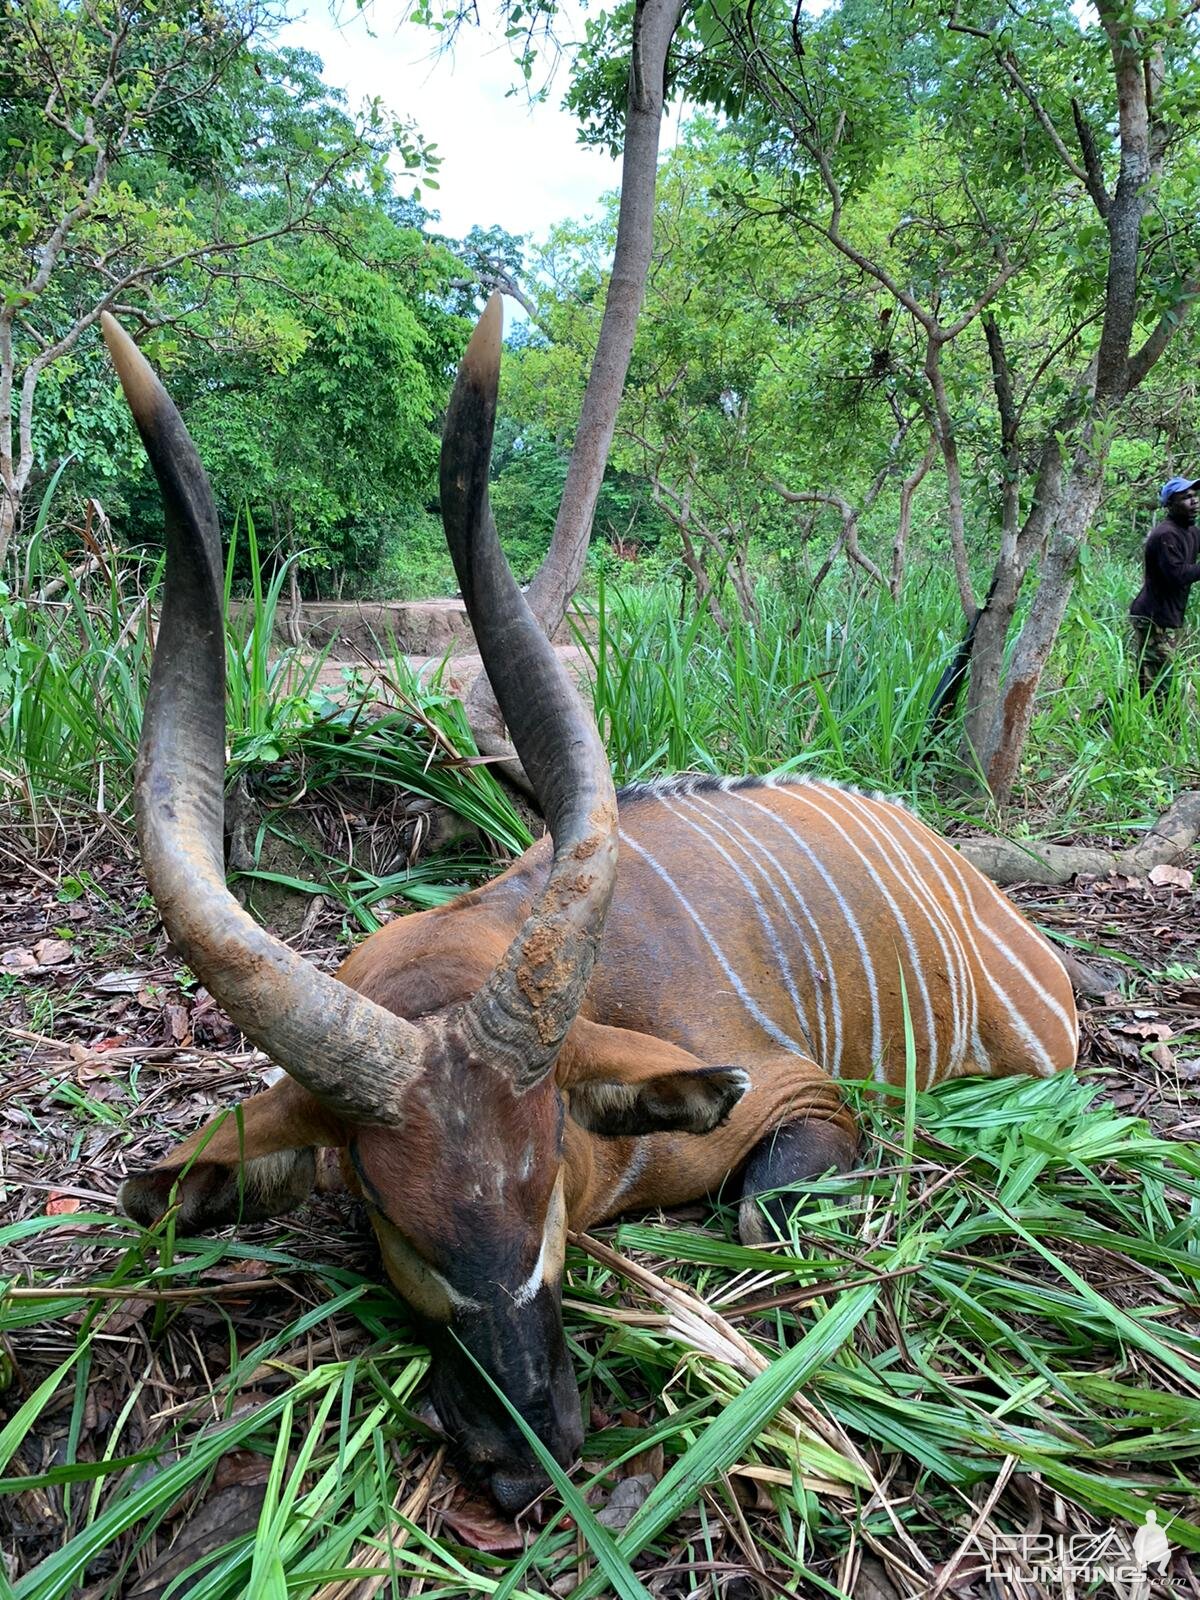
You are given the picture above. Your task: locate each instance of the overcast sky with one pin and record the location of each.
(502, 161)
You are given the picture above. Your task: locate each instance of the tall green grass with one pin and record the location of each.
(1104, 749)
(839, 685)
(73, 677)
(842, 688)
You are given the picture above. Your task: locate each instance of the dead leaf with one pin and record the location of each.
(628, 1496)
(93, 1068)
(54, 952)
(122, 1317)
(114, 1041)
(209, 1023)
(32, 1507)
(477, 1523)
(237, 1271)
(644, 1461)
(247, 1402)
(243, 1467)
(1113, 1044)
(873, 1582)
(1163, 874)
(18, 960)
(119, 982)
(1162, 1057)
(751, 1493)
(223, 1517)
(100, 1407)
(61, 1205)
(1145, 1030)
(966, 1577)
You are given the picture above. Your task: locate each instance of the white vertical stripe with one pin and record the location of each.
(813, 798)
(755, 1010)
(823, 976)
(969, 881)
(876, 816)
(746, 796)
(706, 830)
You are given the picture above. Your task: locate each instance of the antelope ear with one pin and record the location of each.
(246, 1165)
(621, 1083)
(695, 1100)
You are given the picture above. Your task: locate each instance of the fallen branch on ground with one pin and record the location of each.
(1006, 861)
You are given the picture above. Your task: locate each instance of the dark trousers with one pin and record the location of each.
(1154, 650)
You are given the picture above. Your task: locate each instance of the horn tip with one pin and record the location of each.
(481, 362)
(142, 389)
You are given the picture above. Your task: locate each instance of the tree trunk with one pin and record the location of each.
(743, 587)
(908, 490)
(1000, 717)
(293, 631)
(1013, 561)
(1000, 754)
(654, 27)
(944, 432)
(706, 595)
(8, 524)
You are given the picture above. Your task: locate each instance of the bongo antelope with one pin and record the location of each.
(658, 1000)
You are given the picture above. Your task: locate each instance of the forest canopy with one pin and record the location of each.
(881, 264)
(163, 162)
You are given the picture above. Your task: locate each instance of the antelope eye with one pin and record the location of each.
(372, 1198)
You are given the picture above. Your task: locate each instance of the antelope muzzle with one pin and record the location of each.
(519, 1350)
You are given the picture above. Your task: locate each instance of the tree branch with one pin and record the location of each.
(1128, 204)
(1163, 332)
(1093, 168)
(849, 534)
(908, 490)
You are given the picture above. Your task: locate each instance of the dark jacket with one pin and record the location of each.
(1171, 568)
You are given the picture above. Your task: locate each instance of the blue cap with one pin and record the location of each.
(1175, 486)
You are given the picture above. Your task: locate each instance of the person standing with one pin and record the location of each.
(1171, 567)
